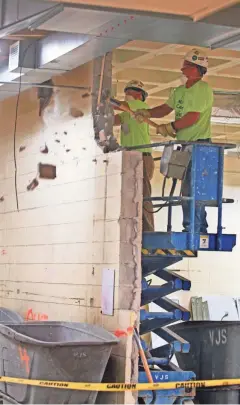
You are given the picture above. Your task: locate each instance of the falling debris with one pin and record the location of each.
(84, 149)
(68, 150)
(76, 113)
(22, 148)
(34, 183)
(47, 171)
(44, 149)
(45, 95)
(56, 133)
(65, 132)
(2, 199)
(57, 140)
(85, 95)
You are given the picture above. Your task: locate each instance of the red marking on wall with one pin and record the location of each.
(123, 333)
(24, 357)
(35, 316)
(3, 252)
(131, 17)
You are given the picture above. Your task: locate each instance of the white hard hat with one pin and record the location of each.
(198, 57)
(136, 85)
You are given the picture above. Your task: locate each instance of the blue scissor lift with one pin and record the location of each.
(163, 249)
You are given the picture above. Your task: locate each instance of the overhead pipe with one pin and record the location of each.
(31, 22)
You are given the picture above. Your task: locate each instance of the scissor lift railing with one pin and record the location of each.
(163, 249)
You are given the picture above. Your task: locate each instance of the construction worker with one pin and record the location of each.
(134, 133)
(192, 103)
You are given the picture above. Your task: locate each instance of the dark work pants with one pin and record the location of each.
(201, 224)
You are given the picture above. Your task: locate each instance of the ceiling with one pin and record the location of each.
(192, 9)
(66, 36)
(158, 64)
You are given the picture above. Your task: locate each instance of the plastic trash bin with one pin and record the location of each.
(58, 351)
(9, 316)
(214, 354)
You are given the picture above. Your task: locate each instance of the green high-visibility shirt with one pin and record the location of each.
(198, 98)
(134, 133)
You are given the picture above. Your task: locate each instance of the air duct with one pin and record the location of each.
(31, 22)
(22, 56)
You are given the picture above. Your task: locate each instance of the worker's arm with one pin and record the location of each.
(172, 128)
(186, 121)
(160, 111)
(117, 120)
(156, 112)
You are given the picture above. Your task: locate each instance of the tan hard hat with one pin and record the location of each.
(198, 57)
(136, 85)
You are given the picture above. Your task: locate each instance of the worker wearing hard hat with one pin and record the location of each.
(192, 103)
(134, 133)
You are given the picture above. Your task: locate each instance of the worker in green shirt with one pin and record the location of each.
(192, 103)
(134, 133)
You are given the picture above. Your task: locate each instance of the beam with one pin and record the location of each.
(214, 71)
(143, 58)
(213, 8)
(152, 6)
(156, 79)
(227, 54)
(194, 10)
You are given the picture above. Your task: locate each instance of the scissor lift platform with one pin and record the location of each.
(163, 249)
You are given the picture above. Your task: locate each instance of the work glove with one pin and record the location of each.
(166, 130)
(141, 114)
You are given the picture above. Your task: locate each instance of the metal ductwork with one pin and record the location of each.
(93, 33)
(77, 35)
(13, 20)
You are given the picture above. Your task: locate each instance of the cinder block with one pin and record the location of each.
(115, 164)
(111, 252)
(129, 296)
(99, 230)
(113, 208)
(100, 187)
(114, 185)
(70, 228)
(127, 273)
(112, 231)
(51, 234)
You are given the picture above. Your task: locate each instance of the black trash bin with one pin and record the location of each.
(58, 351)
(214, 354)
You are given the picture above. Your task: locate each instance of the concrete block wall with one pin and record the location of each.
(211, 273)
(53, 250)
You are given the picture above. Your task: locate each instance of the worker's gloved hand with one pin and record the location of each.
(166, 130)
(141, 114)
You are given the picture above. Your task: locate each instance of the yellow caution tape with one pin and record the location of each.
(112, 387)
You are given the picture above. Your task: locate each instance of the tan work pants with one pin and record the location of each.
(148, 170)
(148, 217)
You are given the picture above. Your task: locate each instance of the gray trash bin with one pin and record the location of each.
(9, 316)
(214, 354)
(58, 351)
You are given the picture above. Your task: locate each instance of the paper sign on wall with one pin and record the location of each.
(108, 279)
(204, 241)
